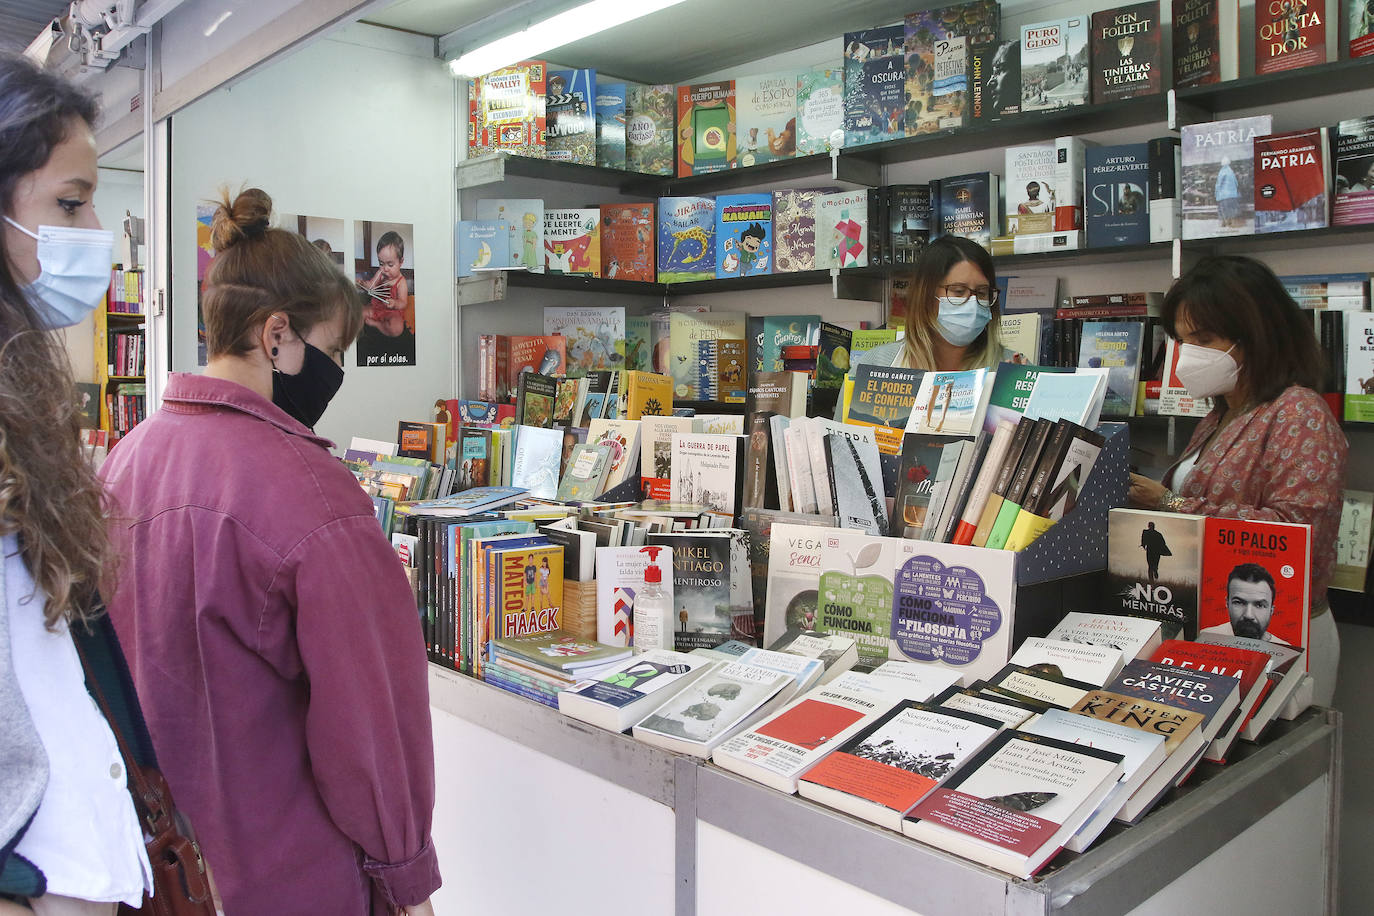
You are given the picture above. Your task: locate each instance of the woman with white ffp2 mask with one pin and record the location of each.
(1270, 449)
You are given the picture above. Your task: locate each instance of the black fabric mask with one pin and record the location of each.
(306, 394)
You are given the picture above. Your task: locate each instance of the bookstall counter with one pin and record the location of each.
(623, 822)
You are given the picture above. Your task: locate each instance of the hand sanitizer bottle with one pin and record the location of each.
(653, 613)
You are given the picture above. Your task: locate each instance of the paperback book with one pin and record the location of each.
(707, 471)
(842, 230)
(874, 85)
(1292, 174)
(1218, 176)
(1117, 208)
(702, 582)
(1126, 54)
(1353, 143)
(766, 104)
(712, 709)
(1054, 64)
(621, 697)
(1199, 56)
(1255, 580)
(969, 206)
(744, 235)
(1154, 568)
(1114, 346)
(1290, 34)
(820, 110)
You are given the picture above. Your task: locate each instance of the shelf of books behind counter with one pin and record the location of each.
(1261, 827)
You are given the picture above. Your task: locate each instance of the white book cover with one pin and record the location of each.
(766, 115)
(854, 475)
(622, 437)
(1075, 396)
(800, 481)
(705, 471)
(805, 672)
(1011, 713)
(1134, 637)
(922, 681)
(1353, 541)
(794, 573)
(1141, 752)
(656, 453)
(814, 433)
(842, 230)
(537, 455)
(953, 606)
(619, 578)
(1068, 165)
(777, 426)
(1217, 176)
(1031, 188)
(1092, 664)
(712, 709)
(718, 424)
(836, 652)
(650, 678)
(1039, 686)
(526, 220)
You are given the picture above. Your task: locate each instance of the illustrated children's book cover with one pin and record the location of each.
(572, 242)
(595, 336)
(482, 246)
(529, 591)
(627, 242)
(1054, 64)
(842, 230)
(874, 85)
(686, 239)
(507, 113)
(525, 218)
(794, 230)
(649, 126)
(766, 104)
(610, 124)
(545, 354)
(820, 109)
(705, 128)
(744, 235)
(571, 113)
(937, 45)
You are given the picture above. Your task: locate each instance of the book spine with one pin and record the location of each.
(1056, 448)
(1166, 212)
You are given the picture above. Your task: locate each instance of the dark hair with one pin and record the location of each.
(1240, 299)
(258, 271)
(1254, 573)
(754, 231)
(48, 493)
(393, 239)
(935, 262)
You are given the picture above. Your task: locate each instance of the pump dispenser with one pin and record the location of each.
(653, 614)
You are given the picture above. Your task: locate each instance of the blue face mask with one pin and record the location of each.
(75, 272)
(960, 323)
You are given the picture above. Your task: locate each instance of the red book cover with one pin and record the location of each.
(1289, 34)
(1126, 53)
(1248, 665)
(1291, 177)
(546, 354)
(493, 367)
(810, 723)
(1255, 580)
(627, 242)
(705, 128)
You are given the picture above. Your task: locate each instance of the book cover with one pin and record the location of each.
(538, 453)
(820, 110)
(706, 471)
(1255, 579)
(619, 577)
(615, 700)
(1166, 211)
(759, 525)
(493, 367)
(656, 453)
(842, 230)
(1091, 664)
(1359, 367)
(781, 393)
(692, 351)
(706, 139)
(744, 235)
(571, 113)
(888, 767)
(1175, 723)
(909, 221)
(610, 124)
(650, 115)
(936, 45)
(638, 343)
(857, 482)
(1154, 568)
(851, 596)
(525, 217)
(766, 104)
(1289, 34)
(884, 396)
(953, 607)
(1026, 335)
(572, 242)
(948, 403)
(1126, 53)
(1197, 42)
(779, 331)
(832, 367)
(1030, 187)
(1114, 346)
(760, 483)
(627, 243)
(994, 80)
(594, 337)
(622, 438)
(1292, 174)
(1202, 660)
(1360, 34)
(1216, 695)
(713, 708)
(874, 85)
(1011, 713)
(482, 246)
(535, 399)
(1054, 64)
(922, 455)
(732, 364)
(508, 114)
(1174, 399)
(794, 230)
(1134, 637)
(1117, 208)
(702, 573)
(1218, 176)
(529, 592)
(646, 394)
(686, 239)
(1037, 686)
(970, 206)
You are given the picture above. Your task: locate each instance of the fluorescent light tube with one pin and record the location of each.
(555, 32)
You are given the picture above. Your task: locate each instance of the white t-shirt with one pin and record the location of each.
(85, 836)
(1182, 470)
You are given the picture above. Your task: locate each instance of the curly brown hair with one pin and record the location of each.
(49, 495)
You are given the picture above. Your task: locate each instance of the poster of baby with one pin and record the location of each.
(384, 268)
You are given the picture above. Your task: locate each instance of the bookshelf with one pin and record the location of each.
(120, 314)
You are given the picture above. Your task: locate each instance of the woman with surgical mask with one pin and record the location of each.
(951, 322)
(1270, 449)
(270, 627)
(70, 839)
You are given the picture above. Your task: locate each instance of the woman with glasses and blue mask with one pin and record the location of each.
(1270, 449)
(951, 321)
(269, 624)
(70, 840)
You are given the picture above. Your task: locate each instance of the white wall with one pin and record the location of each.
(357, 126)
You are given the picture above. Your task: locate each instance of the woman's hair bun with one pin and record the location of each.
(247, 216)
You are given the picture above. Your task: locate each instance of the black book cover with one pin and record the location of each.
(534, 400)
(1197, 43)
(1030, 458)
(909, 222)
(1025, 428)
(1126, 55)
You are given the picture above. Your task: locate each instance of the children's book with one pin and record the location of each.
(646, 394)
(595, 337)
(482, 246)
(842, 229)
(937, 44)
(820, 110)
(571, 114)
(545, 354)
(744, 235)
(508, 111)
(794, 230)
(627, 243)
(693, 351)
(585, 475)
(526, 589)
(572, 242)
(610, 124)
(766, 104)
(649, 118)
(874, 85)
(706, 128)
(686, 239)
(777, 331)
(525, 219)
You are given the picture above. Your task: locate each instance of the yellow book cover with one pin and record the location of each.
(1027, 527)
(647, 395)
(529, 590)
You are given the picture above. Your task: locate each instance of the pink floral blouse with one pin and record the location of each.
(1283, 461)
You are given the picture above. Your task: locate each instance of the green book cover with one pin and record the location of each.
(855, 591)
(1001, 529)
(869, 338)
(1011, 389)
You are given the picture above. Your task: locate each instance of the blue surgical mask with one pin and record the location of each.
(960, 323)
(75, 272)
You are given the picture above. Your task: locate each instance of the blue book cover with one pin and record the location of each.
(1117, 180)
(570, 113)
(744, 235)
(686, 239)
(874, 85)
(610, 125)
(482, 245)
(1114, 346)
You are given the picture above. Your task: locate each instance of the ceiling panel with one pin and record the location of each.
(22, 20)
(431, 17)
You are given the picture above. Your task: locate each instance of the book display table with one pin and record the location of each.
(537, 812)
